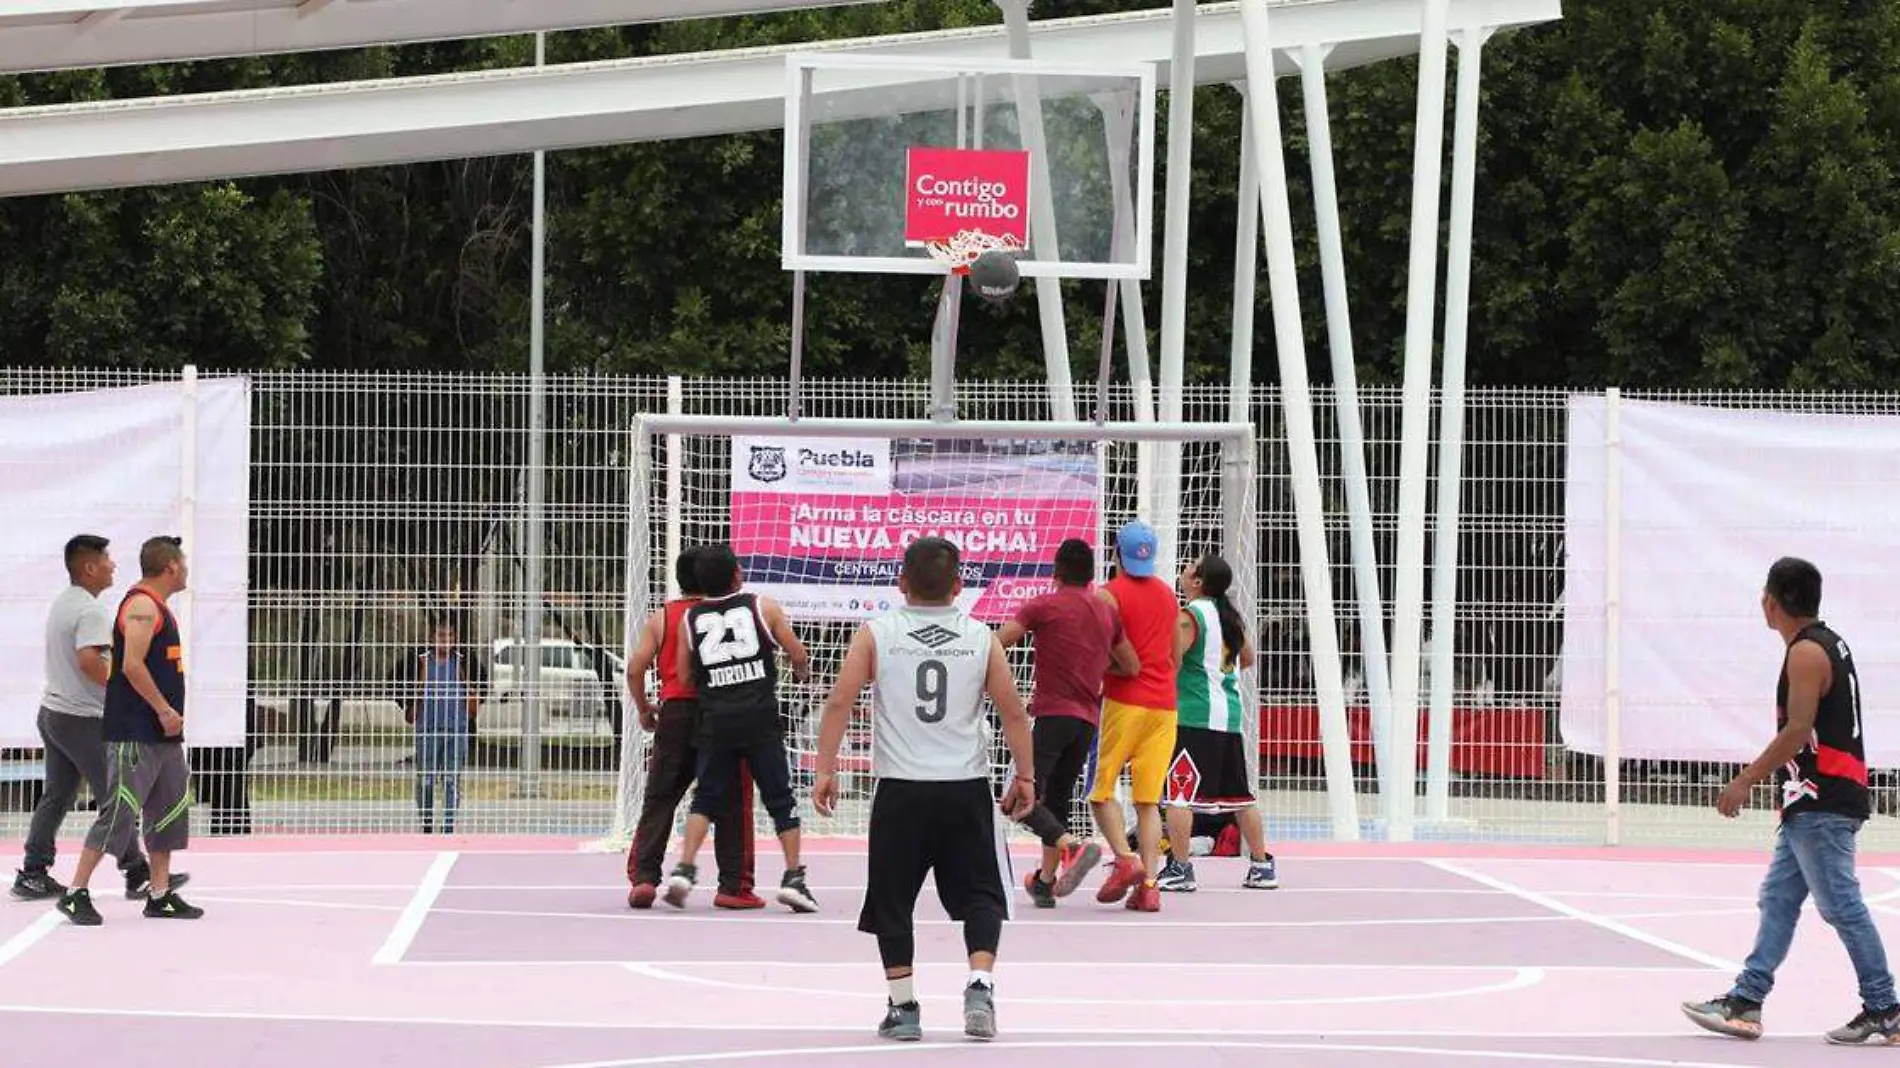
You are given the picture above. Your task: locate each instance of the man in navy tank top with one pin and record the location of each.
(1818, 761)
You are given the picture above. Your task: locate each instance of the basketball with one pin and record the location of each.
(994, 275)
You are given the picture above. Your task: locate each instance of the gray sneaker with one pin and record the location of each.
(1726, 1015)
(979, 1012)
(902, 1023)
(1869, 1029)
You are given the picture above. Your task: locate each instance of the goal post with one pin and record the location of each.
(1006, 491)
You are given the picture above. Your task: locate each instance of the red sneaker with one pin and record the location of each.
(1125, 874)
(641, 896)
(1146, 898)
(744, 899)
(1077, 862)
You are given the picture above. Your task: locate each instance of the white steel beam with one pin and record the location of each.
(39, 35)
(119, 143)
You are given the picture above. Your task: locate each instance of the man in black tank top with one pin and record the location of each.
(147, 774)
(1819, 766)
(729, 647)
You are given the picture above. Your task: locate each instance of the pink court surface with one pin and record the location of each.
(522, 954)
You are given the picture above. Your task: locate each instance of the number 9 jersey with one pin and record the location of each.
(928, 694)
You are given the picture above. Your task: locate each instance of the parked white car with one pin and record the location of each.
(574, 698)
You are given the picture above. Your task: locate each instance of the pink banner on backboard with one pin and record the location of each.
(948, 190)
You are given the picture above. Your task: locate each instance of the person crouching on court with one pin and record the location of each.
(147, 774)
(1078, 640)
(1209, 773)
(732, 658)
(448, 690)
(672, 758)
(929, 666)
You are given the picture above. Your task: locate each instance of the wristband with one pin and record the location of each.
(1026, 778)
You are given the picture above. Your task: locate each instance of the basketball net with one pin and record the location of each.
(957, 253)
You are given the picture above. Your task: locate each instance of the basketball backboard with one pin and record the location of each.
(888, 155)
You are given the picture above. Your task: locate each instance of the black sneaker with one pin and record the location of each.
(794, 894)
(679, 885)
(138, 883)
(76, 906)
(1727, 1015)
(171, 907)
(36, 885)
(1870, 1028)
(1043, 894)
(902, 1023)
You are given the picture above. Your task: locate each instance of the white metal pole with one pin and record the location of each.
(1174, 268)
(675, 485)
(537, 475)
(1352, 435)
(1042, 218)
(1246, 271)
(1612, 616)
(182, 608)
(1415, 423)
(1120, 126)
(1302, 447)
(1451, 430)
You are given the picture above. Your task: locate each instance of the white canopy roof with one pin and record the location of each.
(406, 120)
(55, 34)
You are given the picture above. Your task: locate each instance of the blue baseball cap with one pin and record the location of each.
(1137, 545)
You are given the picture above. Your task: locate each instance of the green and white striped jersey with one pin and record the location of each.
(1207, 690)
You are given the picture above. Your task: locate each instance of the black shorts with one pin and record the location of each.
(1209, 772)
(949, 828)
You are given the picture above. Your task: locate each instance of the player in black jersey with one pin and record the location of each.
(1819, 764)
(730, 649)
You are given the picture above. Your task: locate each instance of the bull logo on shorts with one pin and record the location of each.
(1184, 779)
(767, 463)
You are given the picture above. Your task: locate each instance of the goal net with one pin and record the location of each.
(819, 513)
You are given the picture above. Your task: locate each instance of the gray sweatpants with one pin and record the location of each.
(150, 780)
(74, 753)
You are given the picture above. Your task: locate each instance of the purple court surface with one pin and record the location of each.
(519, 953)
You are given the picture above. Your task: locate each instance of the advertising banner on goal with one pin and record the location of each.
(1706, 500)
(821, 524)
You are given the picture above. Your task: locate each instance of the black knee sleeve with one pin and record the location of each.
(897, 951)
(982, 931)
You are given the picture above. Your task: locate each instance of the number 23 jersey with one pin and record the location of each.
(927, 697)
(1829, 774)
(735, 664)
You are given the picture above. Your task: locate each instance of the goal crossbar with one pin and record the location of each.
(1037, 430)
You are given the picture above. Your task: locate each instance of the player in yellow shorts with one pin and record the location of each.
(1138, 719)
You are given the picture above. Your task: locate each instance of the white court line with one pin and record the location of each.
(1604, 922)
(1185, 1043)
(789, 920)
(30, 937)
(1521, 979)
(410, 922)
(834, 1029)
(1017, 963)
(343, 906)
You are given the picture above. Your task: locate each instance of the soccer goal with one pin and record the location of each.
(819, 512)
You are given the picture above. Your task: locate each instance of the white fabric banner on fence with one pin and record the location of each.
(111, 462)
(1710, 497)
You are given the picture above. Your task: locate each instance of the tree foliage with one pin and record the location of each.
(1670, 194)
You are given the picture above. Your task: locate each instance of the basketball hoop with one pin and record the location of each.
(957, 253)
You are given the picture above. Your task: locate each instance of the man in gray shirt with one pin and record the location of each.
(78, 662)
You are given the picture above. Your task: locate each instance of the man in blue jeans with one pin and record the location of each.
(446, 696)
(1819, 765)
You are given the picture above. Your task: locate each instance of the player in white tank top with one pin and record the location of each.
(927, 695)
(929, 667)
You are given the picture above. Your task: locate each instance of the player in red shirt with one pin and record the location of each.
(672, 759)
(1078, 640)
